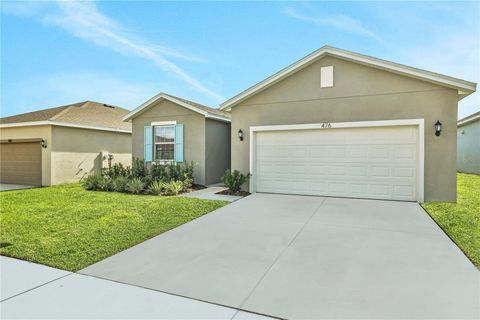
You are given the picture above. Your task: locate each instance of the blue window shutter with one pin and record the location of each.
(179, 143)
(148, 143)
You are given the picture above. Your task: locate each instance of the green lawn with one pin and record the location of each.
(461, 220)
(69, 228)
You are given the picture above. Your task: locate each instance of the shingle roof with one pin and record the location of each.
(201, 106)
(85, 113)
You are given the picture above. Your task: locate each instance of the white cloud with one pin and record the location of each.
(339, 21)
(84, 20)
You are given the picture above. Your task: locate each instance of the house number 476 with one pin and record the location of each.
(326, 125)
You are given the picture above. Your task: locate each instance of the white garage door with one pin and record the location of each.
(373, 162)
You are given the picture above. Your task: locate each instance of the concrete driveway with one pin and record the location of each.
(8, 187)
(308, 257)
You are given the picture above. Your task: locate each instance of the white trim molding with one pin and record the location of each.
(463, 87)
(61, 124)
(163, 96)
(472, 118)
(163, 123)
(419, 123)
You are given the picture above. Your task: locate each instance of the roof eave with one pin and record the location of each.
(463, 87)
(158, 97)
(62, 124)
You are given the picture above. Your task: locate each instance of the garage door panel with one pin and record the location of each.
(21, 163)
(322, 165)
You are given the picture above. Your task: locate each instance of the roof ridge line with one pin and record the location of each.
(66, 110)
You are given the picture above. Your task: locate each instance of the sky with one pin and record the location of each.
(123, 53)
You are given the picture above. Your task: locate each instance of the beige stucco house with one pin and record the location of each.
(62, 144)
(169, 129)
(338, 123)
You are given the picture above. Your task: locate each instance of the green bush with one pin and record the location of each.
(159, 172)
(234, 180)
(139, 169)
(156, 187)
(187, 182)
(92, 182)
(135, 186)
(173, 187)
(120, 184)
(105, 184)
(147, 180)
(117, 170)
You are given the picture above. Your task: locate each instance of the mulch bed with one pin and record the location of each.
(231, 193)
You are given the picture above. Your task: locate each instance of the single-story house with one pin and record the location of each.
(339, 123)
(468, 144)
(168, 129)
(63, 144)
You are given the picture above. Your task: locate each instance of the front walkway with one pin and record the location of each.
(210, 193)
(34, 291)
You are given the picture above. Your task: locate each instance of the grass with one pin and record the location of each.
(70, 228)
(461, 220)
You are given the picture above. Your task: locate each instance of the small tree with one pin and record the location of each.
(234, 180)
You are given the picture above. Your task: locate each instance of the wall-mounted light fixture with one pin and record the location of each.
(43, 143)
(240, 135)
(438, 128)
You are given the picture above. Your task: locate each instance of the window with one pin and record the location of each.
(164, 140)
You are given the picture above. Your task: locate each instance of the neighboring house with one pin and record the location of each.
(468, 144)
(168, 129)
(338, 123)
(62, 144)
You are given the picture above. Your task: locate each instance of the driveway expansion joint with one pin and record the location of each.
(281, 253)
(174, 294)
(36, 287)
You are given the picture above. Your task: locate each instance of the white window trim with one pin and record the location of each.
(163, 124)
(420, 123)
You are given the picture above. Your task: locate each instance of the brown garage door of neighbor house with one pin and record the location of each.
(21, 163)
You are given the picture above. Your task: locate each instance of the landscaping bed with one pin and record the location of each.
(68, 227)
(239, 193)
(461, 220)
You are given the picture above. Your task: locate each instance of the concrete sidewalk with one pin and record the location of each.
(33, 291)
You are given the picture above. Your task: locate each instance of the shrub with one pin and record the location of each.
(187, 182)
(234, 180)
(156, 187)
(92, 182)
(139, 169)
(188, 170)
(117, 170)
(120, 184)
(147, 180)
(173, 187)
(159, 172)
(135, 186)
(105, 184)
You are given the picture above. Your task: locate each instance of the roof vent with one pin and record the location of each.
(108, 106)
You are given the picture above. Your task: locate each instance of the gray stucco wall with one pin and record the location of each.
(468, 148)
(217, 152)
(360, 93)
(76, 152)
(194, 133)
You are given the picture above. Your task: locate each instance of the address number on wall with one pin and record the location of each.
(326, 125)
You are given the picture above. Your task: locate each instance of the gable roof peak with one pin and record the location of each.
(207, 112)
(463, 87)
